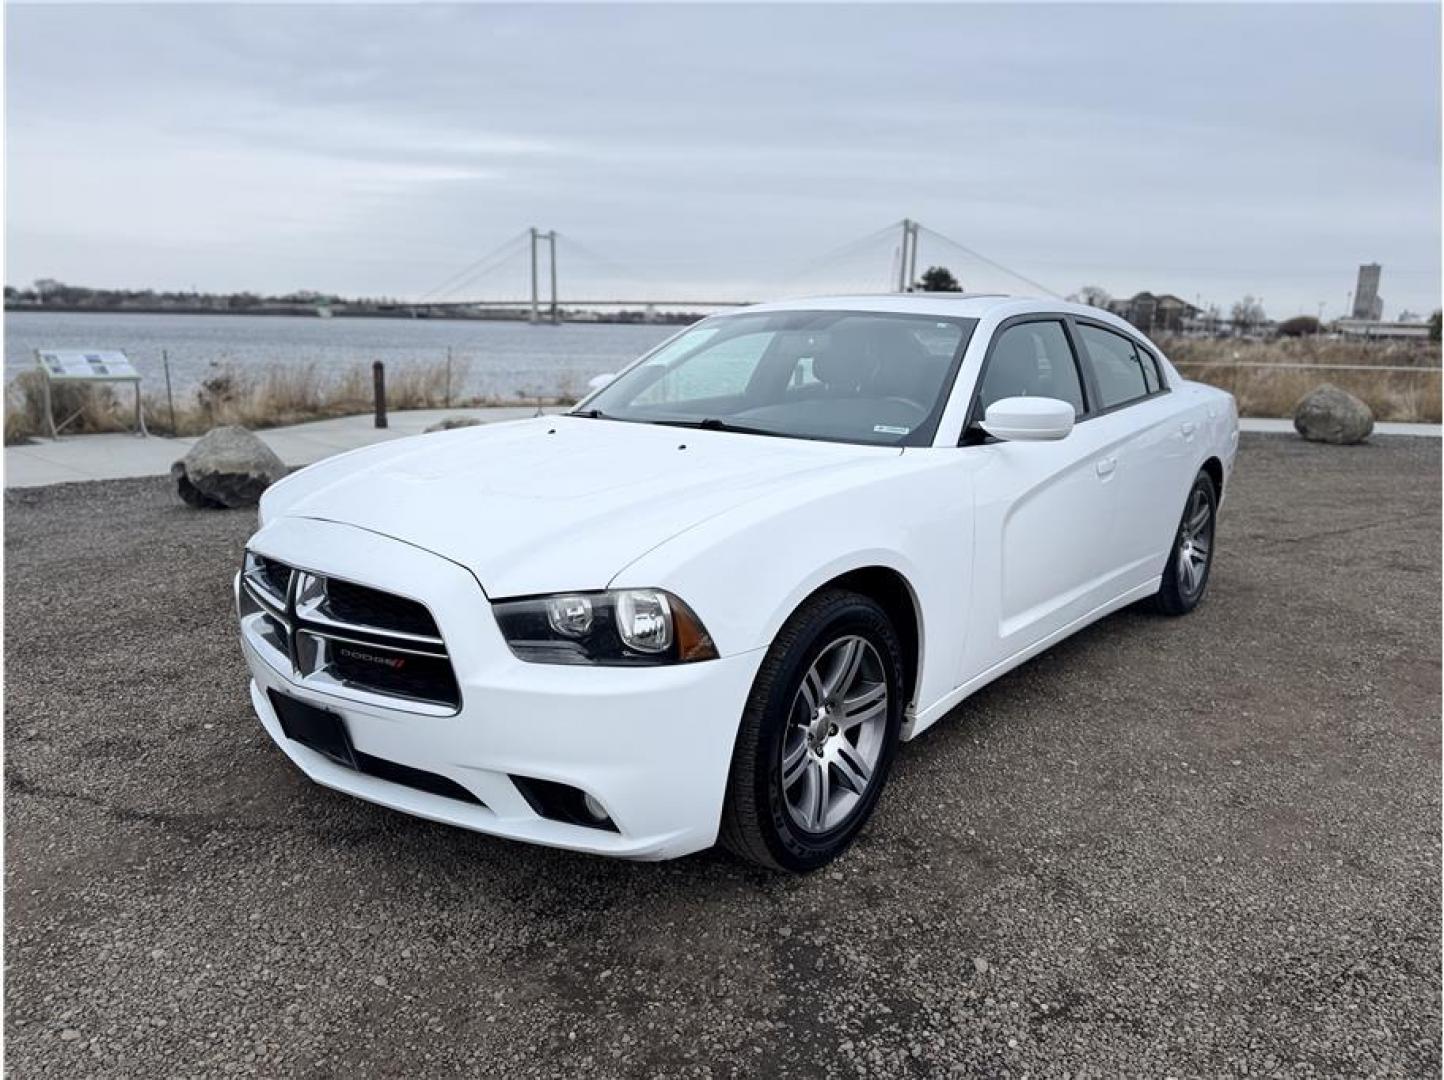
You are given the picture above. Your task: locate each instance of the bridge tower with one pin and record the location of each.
(550, 239)
(907, 263)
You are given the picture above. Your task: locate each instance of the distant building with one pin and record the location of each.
(1151, 312)
(1367, 303)
(1374, 328)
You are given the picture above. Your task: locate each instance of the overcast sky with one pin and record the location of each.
(1207, 151)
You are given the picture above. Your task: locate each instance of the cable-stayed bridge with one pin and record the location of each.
(523, 272)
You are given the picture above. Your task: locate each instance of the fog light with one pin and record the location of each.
(594, 808)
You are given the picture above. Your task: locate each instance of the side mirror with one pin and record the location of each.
(598, 381)
(1028, 419)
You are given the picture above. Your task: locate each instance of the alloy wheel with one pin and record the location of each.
(835, 734)
(1195, 543)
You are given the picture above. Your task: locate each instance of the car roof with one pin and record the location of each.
(944, 305)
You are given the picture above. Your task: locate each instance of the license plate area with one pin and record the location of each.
(318, 729)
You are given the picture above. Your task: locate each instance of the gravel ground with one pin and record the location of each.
(1205, 846)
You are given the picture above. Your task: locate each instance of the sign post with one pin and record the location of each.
(86, 365)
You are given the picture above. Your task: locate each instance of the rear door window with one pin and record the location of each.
(1123, 371)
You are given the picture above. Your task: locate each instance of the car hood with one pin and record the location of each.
(553, 503)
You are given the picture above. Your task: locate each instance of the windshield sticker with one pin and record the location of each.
(888, 429)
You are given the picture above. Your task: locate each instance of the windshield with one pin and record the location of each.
(847, 376)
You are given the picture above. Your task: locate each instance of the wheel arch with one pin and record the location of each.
(892, 591)
(1214, 467)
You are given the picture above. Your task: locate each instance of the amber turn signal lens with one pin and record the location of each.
(693, 641)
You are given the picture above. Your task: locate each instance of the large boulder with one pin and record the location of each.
(1333, 415)
(227, 467)
(451, 423)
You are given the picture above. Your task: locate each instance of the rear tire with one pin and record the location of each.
(1185, 577)
(817, 736)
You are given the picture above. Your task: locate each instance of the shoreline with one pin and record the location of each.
(510, 315)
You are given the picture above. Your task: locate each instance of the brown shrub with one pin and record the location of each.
(268, 397)
(424, 386)
(1393, 395)
(1266, 391)
(1410, 352)
(90, 407)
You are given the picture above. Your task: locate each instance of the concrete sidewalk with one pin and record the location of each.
(114, 457)
(1263, 426)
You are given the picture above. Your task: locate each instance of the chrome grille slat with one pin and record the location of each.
(312, 615)
(265, 599)
(375, 663)
(362, 605)
(326, 635)
(260, 574)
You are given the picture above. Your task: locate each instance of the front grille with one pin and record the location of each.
(272, 576)
(412, 674)
(347, 639)
(384, 611)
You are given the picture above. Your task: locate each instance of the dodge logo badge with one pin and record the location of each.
(395, 663)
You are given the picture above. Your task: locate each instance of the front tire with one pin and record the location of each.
(817, 736)
(1185, 578)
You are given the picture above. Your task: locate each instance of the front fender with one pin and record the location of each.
(746, 571)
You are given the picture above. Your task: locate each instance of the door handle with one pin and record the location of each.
(1188, 428)
(1107, 465)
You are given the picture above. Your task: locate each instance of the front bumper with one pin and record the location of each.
(652, 745)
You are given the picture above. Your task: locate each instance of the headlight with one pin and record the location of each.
(622, 626)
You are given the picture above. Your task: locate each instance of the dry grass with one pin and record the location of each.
(269, 397)
(293, 394)
(1309, 350)
(1261, 391)
(96, 407)
(1392, 395)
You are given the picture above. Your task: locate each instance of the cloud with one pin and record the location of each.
(1207, 150)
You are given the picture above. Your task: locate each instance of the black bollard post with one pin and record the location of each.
(378, 376)
(170, 399)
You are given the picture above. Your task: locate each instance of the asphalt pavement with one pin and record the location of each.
(1191, 847)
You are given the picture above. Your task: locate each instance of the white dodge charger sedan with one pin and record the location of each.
(710, 601)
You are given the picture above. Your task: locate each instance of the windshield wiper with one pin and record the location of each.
(591, 414)
(711, 423)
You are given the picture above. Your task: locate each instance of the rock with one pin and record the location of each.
(1332, 415)
(980, 965)
(227, 467)
(453, 422)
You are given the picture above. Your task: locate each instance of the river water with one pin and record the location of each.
(495, 359)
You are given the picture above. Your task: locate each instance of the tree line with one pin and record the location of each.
(47, 292)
